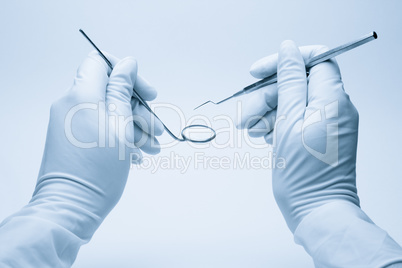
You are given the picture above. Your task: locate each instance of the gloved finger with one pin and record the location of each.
(260, 102)
(141, 86)
(145, 119)
(91, 79)
(267, 66)
(120, 87)
(112, 59)
(136, 156)
(145, 142)
(144, 89)
(264, 126)
(292, 84)
(324, 82)
(269, 138)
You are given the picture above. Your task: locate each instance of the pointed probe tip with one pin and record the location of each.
(199, 106)
(203, 104)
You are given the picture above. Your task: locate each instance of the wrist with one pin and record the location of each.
(330, 231)
(69, 202)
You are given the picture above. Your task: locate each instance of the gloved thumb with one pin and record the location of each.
(118, 102)
(120, 86)
(292, 84)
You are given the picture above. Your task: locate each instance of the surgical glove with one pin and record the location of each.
(313, 126)
(93, 131)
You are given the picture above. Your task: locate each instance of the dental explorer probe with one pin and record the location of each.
(310, 63)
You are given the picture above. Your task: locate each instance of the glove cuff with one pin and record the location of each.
(340, 234)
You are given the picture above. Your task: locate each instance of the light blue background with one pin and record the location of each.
(192, 51)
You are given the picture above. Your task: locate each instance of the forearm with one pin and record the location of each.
(340, 234)
(49, 231)
(29, 240)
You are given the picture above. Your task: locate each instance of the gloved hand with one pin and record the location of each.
(314, 119)
(85, 164)
(93, 130)
(313, 126)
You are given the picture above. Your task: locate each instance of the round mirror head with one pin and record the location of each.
(198, 133)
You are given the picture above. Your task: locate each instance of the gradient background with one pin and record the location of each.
(192, 51)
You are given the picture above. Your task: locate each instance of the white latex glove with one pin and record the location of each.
(313, 126)
(85, 164)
